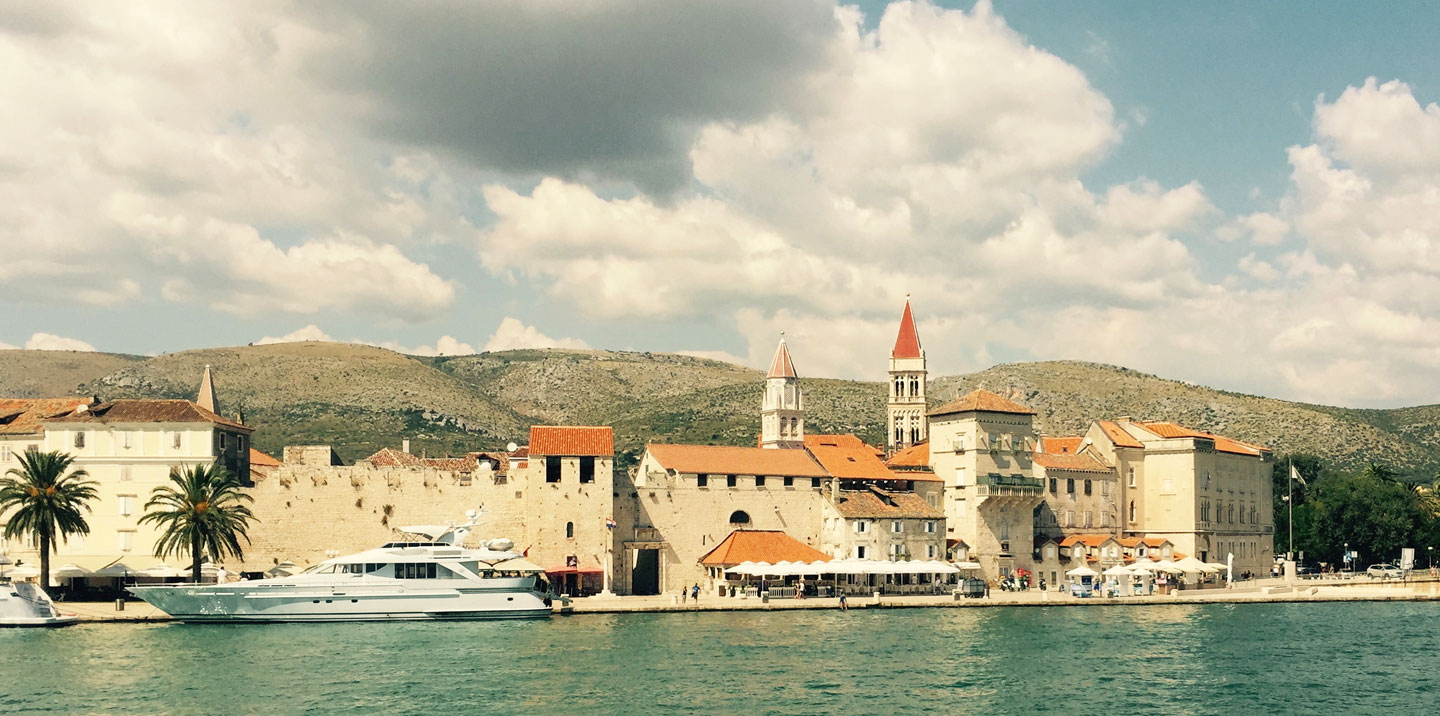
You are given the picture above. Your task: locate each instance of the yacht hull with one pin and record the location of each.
(259, 604)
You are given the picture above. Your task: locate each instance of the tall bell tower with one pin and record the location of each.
(905, 411)
(782, 411)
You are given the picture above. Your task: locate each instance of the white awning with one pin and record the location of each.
(1118, 570)
(1082, 572)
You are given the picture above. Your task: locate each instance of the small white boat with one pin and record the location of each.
(408, 580)
(23, 604)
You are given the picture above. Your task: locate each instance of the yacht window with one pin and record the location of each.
(415, 571)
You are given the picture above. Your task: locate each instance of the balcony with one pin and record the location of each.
(996, 485)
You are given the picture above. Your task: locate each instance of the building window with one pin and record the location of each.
(4, 453)
(929, 551)
(1089, 519)
(789, 482)
(1069, 485)
(1132, 511)
(1132, 477)
(1087, 487)
(959, 477)
(552, 469)
(1054, 486)
(1069, 518)
(702, 480)
(569, 530)
(1005, 547)
(224, 441)
(959, 443)
(587, 469)
(860, 551)
(815, 482)
(79, 440)
(127, 505)
(126, 540)
(129, 439)
(759, 480)
(896, 526)
(861, 526)
(175, 439)
(929, 527)
(896, 549)
(739, 517)
(730, 481)
(1105, 488)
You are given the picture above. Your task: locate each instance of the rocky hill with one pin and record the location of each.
(359, 398)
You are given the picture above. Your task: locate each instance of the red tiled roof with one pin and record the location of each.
(907, 342)
(1147, 541)
(22, 416)
(726, 460)
(781, 366)
(981, 401)
(854, 460)
(147, 411)
(911, 458)
(1084, 462)
(1087, 540)
(571, 440)
(260, 459)
(1118, 435)
(768, 546)
(879, 503)
(1070, 444)
(1167, 429)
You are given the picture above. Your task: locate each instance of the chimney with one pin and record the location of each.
(835, 489)
(1123, 419)
(405, 445)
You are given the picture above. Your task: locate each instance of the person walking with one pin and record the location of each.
(684, 592)
(844, 605)
(695, 594)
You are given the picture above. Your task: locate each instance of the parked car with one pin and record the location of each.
(1383, 571)
(1307, 570)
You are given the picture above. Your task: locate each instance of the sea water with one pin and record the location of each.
(1361, 658)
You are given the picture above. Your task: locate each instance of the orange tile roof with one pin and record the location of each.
(260, 459)
(877, 503)
(913, 457)
(1147, 541)
(726, 460)
(1084, 462)
(981, 401)
(781, 366)
(1168, 429)
(147, 411)
(835, 440)
(1091, 540)
(1070, 444)
(769, 546)
(572, 440)
(1118, 435)
(22, 416)
(907, 342)
(854, 460)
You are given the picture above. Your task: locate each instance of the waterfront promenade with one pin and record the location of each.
(1257, 591)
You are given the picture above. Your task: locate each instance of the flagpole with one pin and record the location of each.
(1290, 483)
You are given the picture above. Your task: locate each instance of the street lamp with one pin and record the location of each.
(1346, 556)
(1430, 551)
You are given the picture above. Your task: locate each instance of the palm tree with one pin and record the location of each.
(201, 511)
(50, 500)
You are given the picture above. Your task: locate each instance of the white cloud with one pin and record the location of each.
(7, 347)
(311, 332)
(444, 346)
(512, 334)
(52, 342)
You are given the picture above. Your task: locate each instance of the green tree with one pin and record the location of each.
(1375, 515)
(202, 511)
(50, 500)
(1312, 471)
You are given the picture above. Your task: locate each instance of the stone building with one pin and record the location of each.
(128, 448)
(1081, 491)
(782, 409)
(981, 447)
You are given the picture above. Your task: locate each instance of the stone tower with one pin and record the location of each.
(782, 412)
(905, 411)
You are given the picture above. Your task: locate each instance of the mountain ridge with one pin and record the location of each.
(360, 398)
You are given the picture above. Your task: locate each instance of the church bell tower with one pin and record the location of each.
(782, 411)
(905, 411)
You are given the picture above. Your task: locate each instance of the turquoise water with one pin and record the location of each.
(1215, 659)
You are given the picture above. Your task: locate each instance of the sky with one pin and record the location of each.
(1240, 195)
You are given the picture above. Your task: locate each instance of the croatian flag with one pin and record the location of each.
(610, 522)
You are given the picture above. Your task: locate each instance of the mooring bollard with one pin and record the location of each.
(119, 605)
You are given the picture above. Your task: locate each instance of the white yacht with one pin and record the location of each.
(407, 580)
(23, 604)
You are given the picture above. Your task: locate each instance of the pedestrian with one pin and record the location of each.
(695, 594)
(1042, 584)
(844, 605)
(800, 589)
(684, 592)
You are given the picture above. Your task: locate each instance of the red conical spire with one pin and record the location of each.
(907, 343)
(780, 365)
